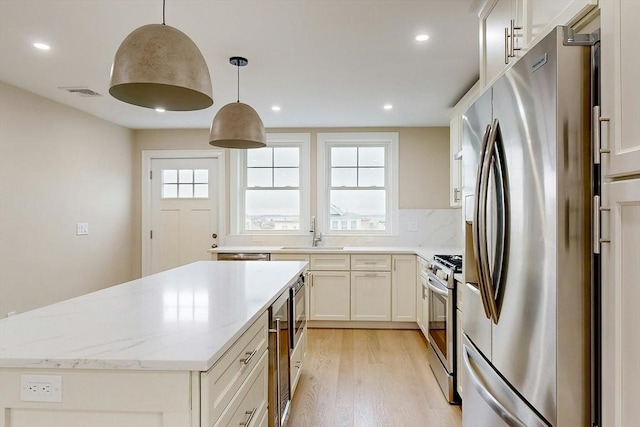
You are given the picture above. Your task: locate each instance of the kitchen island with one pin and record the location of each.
(157, 351)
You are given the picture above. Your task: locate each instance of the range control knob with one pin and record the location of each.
(441, 274)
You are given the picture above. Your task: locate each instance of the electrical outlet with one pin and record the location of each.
(41, 388)
(412, 226)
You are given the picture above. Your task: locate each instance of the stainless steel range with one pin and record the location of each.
(442, 321)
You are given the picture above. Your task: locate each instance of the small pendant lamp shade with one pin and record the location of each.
(160, 66)
(237, 125)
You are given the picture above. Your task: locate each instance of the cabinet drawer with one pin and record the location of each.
(330, 262)
(223, 380)
(371, 262)
(249, 404)
(289, 257)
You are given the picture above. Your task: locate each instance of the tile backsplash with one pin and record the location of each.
(416, 228)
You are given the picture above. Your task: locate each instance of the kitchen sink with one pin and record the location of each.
(313, 248)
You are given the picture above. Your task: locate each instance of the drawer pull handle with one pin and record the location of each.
(251, 415)
(249, 355)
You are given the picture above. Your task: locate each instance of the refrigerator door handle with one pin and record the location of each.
(477, 209)
(486, 395)
(485, 272)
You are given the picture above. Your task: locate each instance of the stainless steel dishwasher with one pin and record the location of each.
(232, 256)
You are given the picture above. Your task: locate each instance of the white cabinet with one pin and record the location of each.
(455, 145)
(403, 288)
(620, 68)
(544, 15)
(620, 300)
(501, 37)
(366, 262)
(371, 296)
(329, 295)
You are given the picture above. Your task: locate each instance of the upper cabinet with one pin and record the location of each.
(508, 27)
(620, 68)
(455, 146)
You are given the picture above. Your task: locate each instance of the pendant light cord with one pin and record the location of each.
(163, 7)
(238, 67)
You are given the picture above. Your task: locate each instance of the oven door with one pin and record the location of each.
(440, 321)
(298, 311)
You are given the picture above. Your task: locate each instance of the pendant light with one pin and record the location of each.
(237, 125)
(158, 66)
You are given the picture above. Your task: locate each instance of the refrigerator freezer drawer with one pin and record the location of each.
(488, 400)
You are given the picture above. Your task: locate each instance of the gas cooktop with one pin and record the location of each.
(454, 262)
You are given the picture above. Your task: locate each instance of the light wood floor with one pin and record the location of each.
(367, 378)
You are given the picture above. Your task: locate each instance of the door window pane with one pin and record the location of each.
(201, 176)
(185, 191)
(185, 176)
(169, 191)
(185, 183)
(170, 176)
(201, 190)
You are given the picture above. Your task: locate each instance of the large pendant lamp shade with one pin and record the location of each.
(237, 125)
(158, 66)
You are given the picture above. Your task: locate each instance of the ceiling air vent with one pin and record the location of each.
(81, 91)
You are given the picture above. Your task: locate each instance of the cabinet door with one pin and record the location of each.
(544, 15)
(425, 308)
(329, 295)
(403, 288)
(620, 299)
(371, 296)
(419, 318)
(494, 42)
(620, 68)
(455, 170)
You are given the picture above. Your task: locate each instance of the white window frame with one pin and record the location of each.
(358, 139)
(238, 181)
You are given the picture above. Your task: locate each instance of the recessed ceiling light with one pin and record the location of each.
(42, 46)
(388, 106)
(160, 110)
(422, 37)
(276, 108)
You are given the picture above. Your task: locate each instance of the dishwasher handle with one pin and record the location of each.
(244, 256)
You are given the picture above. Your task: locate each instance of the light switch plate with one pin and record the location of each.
(82, 228)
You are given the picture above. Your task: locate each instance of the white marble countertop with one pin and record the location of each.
(423, 252)
(180, 319)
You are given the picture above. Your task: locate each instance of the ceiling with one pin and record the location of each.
(326, 63)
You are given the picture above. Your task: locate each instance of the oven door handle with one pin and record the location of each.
(437, 289)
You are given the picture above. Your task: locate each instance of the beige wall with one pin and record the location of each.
(423, 156)
(59, 166)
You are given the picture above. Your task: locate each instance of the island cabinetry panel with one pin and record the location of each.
(224, 379)
(329, 295)
(105, 398)
(371, 295)
(403, 282)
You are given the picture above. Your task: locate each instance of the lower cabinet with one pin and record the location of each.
(460, 371)
(371, 296)
(403, 288)
(329, 295)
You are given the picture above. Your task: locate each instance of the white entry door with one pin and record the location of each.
(184, 211)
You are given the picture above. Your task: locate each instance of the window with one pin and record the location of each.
(357, 182)
(185, 183)
(274, 183)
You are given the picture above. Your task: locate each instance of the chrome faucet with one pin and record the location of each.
(317, 236)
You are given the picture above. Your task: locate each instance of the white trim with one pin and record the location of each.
(237, 183)
(324, 141)
(147, 157)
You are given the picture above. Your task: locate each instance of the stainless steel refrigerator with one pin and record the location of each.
(528, 256)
